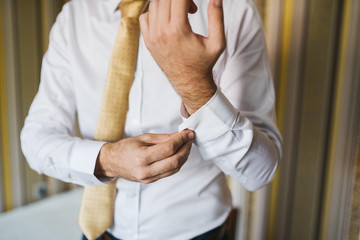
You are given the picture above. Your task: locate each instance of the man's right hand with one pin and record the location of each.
(145, 158)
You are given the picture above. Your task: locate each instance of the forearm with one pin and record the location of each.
(186, 58)
(58, 154)
(196, 96)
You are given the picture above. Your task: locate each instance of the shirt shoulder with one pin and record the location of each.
(83, 10)
(236, 11)
(84, 4)
(238, 14)
(78, 18)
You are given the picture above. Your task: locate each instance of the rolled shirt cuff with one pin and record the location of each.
(213, 119)
(83, 161)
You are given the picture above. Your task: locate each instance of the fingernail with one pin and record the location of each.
(218, 3)
(190, 135)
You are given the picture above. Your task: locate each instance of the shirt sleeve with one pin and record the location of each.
(236, 129)
(47, 137)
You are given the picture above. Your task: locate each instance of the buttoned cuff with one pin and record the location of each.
(83, 161)
(212, 120)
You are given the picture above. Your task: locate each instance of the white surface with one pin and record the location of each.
(53, 218)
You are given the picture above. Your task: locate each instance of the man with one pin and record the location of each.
(207, 72)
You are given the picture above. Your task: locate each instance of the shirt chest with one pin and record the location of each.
(154, 106)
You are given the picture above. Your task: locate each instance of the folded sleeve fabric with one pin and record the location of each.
(236, 129)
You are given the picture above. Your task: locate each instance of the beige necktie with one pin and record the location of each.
(96, 211)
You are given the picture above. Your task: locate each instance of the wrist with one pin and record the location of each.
(102, 166)
(194, 100)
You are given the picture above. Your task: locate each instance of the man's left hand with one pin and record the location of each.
(186, 58)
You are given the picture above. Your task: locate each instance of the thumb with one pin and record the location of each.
(216, 24)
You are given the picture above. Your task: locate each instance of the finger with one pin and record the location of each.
(172, 163)
(179, 11)
(169, 148)
(144, 25)
(153, 14)
(158, 177)
(216, 24)
(164, 10)
(152, 139)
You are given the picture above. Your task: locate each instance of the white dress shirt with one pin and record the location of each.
(235, 131)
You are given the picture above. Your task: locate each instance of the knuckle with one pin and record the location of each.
(163, 33)
(182, 138)
(170, 149)
(146, 181)
(174, 32)
(146, 137)
(176, 163)
(157, 36)
(177, 26)
(140, 161)
(144, 160)
(162, 40)
(142, 175)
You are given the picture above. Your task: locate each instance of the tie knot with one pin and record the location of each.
(132, 8)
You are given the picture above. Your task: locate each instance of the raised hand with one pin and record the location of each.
(146, 158)
(186, 58)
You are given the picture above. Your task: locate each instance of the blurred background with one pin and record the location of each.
(314, 49)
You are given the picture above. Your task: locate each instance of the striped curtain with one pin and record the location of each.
(24, 30)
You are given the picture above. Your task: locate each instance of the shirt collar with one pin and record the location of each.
(114, 5)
